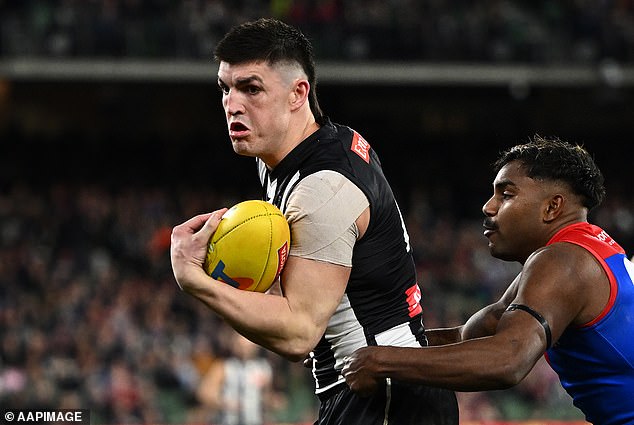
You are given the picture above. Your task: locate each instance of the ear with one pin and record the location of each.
(554, 207)
(299, 95)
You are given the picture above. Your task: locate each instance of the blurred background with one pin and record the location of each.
(112, 132)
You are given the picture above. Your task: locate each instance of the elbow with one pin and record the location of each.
(297, 343)
(297, 347)
(508, 377)
(512, 360)
(295, 351)
(508, 374)
(295, 355)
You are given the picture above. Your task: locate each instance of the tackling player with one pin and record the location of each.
(573, 299)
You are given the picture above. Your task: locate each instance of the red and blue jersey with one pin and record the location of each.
(595, 362)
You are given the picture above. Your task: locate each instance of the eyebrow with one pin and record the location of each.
(503, 184)
(247, 80)
(242, 81)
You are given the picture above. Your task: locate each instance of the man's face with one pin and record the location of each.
(514, 221)
(256, 100)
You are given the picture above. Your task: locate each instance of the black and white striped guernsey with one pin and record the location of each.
(381, 305)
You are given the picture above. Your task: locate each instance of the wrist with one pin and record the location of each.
(381, 363)
(388, 362)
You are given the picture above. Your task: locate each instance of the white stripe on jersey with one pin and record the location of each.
(261, 170)
(400, 336)
(289, 187)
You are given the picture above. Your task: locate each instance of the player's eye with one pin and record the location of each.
(223, 88)
(253, 89)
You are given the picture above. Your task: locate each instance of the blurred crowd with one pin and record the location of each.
(544, 31)
(91, 317)
(90, 314)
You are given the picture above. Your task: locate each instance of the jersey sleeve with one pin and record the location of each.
(321, 211)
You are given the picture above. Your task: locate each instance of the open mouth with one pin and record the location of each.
(237, 130)
(238, 126)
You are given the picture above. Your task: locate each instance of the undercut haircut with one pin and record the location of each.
(271, 41)
(557, 160)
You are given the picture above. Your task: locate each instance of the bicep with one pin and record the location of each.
(321, 210)
(552, 287)
(314, 290)
(483, 323)
(516, 334)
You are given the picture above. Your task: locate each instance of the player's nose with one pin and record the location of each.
(232, 103)
(489, 208)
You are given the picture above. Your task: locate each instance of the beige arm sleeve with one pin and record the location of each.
(321, 211)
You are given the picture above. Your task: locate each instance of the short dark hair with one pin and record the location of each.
(272, 41)
(554, 159)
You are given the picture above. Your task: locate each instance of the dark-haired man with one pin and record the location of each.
(573, 299)
(350, 279)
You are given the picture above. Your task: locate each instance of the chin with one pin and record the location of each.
(504, 256)
(241, 148)
(497, 253)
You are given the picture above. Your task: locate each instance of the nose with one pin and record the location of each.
(490, 207)
(232, 104)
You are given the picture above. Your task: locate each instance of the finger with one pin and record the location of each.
(211, 224)
(346, 366)
(195, 223)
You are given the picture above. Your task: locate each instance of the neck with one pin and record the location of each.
(295, 136)
(565, 220)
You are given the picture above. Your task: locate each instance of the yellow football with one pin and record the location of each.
(250, 247)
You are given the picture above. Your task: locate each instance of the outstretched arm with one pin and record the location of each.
(552, 284)
(487, 363)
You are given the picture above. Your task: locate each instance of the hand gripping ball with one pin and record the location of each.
(250, 246)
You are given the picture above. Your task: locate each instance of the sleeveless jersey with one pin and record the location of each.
(381, 301)
(595, 362)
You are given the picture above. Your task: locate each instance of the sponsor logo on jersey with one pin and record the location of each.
(413, 300)
(604, 237)
(360, 146)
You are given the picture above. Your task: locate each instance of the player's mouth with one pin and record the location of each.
(238, 130)
(489, 227)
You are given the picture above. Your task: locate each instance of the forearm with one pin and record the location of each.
(265, 319)
(474, 365)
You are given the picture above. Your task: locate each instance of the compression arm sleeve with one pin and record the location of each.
(321, 211)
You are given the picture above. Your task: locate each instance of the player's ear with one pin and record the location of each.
(299, 95)
(554, 207)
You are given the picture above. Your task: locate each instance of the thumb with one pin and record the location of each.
(210, 226)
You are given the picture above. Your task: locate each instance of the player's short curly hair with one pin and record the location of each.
(272, 41)
(554, 159)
